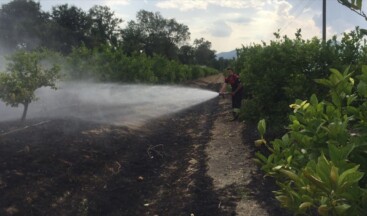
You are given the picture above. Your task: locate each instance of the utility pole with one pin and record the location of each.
(324, 20)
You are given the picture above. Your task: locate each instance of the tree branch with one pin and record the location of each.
(353, 7)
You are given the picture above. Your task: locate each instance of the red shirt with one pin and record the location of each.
(233, 80)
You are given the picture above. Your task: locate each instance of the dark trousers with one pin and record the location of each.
(237, 99)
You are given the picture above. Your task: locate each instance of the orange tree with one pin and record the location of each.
(25, 73)
(277, 73)
(319, 164)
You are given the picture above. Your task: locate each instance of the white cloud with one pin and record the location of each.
(111, 3)
(263, 22)
(220, 29)
(241, 18)
(288, 23)
(283, 8)
(267, 20)
(182, 5)
(185, 5)
(238, 3)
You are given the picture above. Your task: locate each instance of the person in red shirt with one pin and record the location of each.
(237, 90)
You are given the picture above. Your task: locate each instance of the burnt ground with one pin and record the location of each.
(74, 167)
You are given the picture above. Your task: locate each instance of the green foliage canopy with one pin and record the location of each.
(154, 34)
(25, 73)
(112, 65)
(275, 74)
(320, 163)
(70, 28)
(24, 25)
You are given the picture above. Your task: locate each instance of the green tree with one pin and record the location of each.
(186, 54)
(71, 28)
(132, 39)
(203, 53)
(25, 73)
(105, 26)
(277, 73)
(22, 24)
(154, 34)
(319, 164)
(221, 63)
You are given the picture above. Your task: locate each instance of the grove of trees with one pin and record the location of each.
(23, 25)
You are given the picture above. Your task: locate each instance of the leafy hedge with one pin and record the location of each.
(277, 73)
(319, 164)
(107, 64)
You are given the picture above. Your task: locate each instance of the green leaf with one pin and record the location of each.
(323, 168)
(277, 167)
(349, 177)
(324, 82)
(338, 154)
(341, 209)
(261, 157)
(261, 127)
(260, 142)
(290, 175)
(359, 4)
(313, 100)
(305, 205)
(316, 181)
(337, 75)
(289, 159)
(323, 210)
(351, 99)
(336, 99)
(362, 88)
(364, 70)
(334, 175)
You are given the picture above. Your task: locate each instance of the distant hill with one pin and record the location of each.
(227, 55)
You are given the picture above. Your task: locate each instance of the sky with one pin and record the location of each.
(231, 24)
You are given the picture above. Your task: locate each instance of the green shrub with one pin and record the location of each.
(275, 74)
(107, 64)
(319, 164)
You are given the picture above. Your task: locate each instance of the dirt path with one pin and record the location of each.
(230, 163)
(237, 180)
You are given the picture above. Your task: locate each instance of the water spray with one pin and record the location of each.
(109, 103)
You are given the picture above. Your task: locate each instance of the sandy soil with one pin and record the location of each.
(196, 162)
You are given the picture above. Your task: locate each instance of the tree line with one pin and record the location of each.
(23, 25)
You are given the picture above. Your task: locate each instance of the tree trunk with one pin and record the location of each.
(25, 111)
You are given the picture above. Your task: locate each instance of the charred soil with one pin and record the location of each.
(74, 167)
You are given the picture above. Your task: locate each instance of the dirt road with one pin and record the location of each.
(195, 162)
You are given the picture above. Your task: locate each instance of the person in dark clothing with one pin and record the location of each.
(237, 90)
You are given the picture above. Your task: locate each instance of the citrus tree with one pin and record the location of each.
(320, 163)
(26, 72)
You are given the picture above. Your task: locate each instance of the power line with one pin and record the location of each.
(300, 12)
